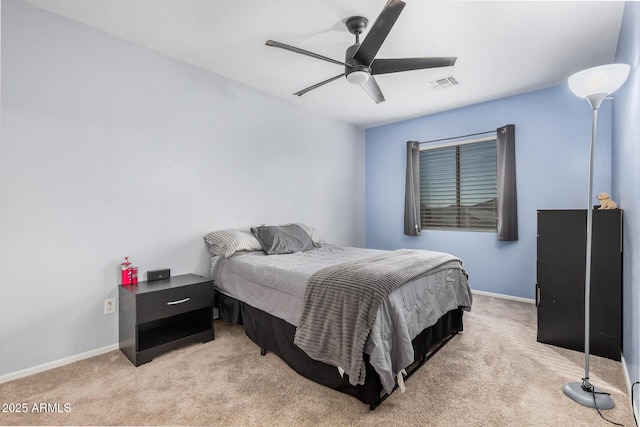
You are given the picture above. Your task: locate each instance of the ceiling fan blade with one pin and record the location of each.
(378, 32)
(302, 51)
(317, 85)
(384, 66)
(373, 90)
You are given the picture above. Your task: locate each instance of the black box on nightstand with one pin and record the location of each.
(153, 275)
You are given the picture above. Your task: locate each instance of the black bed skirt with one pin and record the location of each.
(275, 335)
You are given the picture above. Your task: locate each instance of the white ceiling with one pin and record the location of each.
(503, 48)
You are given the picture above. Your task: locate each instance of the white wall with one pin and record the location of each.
(109, 149)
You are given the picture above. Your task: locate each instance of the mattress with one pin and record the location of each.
(276, 284)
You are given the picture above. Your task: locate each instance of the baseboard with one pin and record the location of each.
(502, 296)
(627, 378)
(629, 382)
(56, 363)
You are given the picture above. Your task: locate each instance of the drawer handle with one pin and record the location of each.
(178, 301)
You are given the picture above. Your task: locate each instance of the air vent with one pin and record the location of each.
(443, 83)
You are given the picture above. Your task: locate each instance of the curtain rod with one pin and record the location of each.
(456, 137)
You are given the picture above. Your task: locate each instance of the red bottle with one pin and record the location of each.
(134, 275)
(126, 269)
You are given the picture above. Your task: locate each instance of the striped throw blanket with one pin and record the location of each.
(341, 303)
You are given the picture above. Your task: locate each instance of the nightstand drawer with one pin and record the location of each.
(173, 301)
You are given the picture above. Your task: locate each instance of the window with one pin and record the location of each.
(458, 186)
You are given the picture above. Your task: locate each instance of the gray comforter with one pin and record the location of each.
(276, 284)
(341, 304)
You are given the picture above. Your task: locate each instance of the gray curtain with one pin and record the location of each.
(507, 196)
(412, 190)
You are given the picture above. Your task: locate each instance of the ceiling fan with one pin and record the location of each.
(360, 64)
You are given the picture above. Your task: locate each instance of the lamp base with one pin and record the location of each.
(587, 398)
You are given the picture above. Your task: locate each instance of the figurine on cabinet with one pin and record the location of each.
(606, 202)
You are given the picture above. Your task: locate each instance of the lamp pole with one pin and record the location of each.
(583, 392)
(587, 274)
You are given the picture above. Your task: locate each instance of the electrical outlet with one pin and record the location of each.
(109, 306)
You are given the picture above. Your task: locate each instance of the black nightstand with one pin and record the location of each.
(156, 317)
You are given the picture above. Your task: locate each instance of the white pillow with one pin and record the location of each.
(228, 242)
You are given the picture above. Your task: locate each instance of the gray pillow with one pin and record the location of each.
(283, 239)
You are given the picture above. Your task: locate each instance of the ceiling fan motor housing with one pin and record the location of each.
(355, 72)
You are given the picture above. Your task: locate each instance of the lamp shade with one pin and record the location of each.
(604, 79)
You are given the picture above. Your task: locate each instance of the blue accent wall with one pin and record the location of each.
(626, 184)
(553, 129)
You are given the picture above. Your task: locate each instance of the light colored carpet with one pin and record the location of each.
(492, 374)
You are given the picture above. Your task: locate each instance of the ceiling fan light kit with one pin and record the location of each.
(361, 64)
(358, 77)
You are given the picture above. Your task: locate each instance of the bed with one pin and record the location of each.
(357, 320)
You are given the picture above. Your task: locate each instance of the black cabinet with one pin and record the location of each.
(561, 264)
(156, 317)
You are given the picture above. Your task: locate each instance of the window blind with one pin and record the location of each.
(458, 186)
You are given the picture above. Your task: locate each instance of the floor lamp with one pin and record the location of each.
(593, 84)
